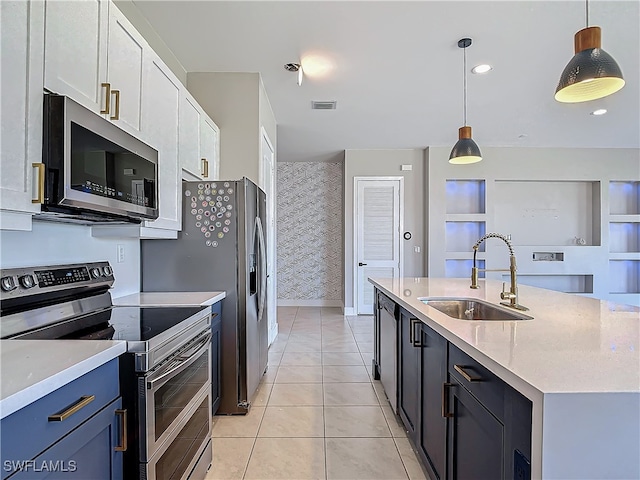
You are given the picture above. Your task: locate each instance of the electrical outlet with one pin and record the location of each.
(120, 253)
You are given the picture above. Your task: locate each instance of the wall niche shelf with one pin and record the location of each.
(624, 276)
(461, 268)
(624, 198)
(465, 196)
(560, 283)
(624, 237)
(461, 236)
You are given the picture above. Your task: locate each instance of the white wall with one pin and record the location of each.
(310, 230)
(51, 243)
(362, 163)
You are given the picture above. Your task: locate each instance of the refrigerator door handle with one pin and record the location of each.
(262, 267)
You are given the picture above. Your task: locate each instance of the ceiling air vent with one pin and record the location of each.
(323, 105)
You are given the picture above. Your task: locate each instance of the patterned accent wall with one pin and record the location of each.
(310, 238)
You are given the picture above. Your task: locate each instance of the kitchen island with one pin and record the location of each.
(577, 361)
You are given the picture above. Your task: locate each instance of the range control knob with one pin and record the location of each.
(107, 271)
(7, 284)
(95, 272)
(27, 281)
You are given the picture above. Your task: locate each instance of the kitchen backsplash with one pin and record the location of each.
(310, 233)
(51, 243)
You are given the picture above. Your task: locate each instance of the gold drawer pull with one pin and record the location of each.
(83, 402)
(107, 97)
(123, 431)
(204, 167)
(116, 116)
(467, 377)
(39, 196)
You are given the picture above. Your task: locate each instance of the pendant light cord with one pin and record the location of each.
(464, 76)
(587, 10)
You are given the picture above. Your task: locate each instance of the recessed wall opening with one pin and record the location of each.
(559, 283)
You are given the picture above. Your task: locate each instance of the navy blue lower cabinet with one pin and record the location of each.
(74, 432)
(91, 451)
(432, 438)
(216, 348)
(409, 372)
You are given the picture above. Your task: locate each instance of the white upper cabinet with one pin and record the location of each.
(21, 110)
(199, 140)
(210, 148)
(190, 135)
(95, 56)
(161, 102)
(125, 71)
(76, 51)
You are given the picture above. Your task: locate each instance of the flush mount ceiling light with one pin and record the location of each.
(598, 112)
(592, 73)
(465, 151)
(482, 68)
(295, 67)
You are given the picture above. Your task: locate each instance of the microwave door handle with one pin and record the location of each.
(183, 362)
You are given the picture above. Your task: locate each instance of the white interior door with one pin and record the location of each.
(378, 222)
(268, 184)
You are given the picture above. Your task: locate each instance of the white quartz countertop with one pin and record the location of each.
(32, 369)
(169, 299)
(573, 344)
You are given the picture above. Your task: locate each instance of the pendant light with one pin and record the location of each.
(465, 151)
(592, 73)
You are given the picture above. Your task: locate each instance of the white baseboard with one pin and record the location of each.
(349, 310)
(283, 302)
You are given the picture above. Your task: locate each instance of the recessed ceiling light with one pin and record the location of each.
(483, 68)
(600, 111)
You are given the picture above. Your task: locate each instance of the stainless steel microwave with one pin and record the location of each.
(93, 170)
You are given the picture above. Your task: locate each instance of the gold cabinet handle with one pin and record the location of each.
(39, 196)
(123, 431)
(469, 378)
(80, 404)
(204, 167)
(107, 97)
(116, 115)
(445, 400)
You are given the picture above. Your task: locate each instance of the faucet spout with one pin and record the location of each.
(512, 294)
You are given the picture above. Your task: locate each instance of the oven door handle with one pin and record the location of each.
(185, 359)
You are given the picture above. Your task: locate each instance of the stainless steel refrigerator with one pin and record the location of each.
(221, 247)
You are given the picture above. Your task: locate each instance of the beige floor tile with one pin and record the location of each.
(365, 347)
(305, 337)
(363, 458)
(304, 347)
(230, 458)
(278, 345)
(287, 458)
(309, 312)
(302, 358)
(297, 374)
(306, 329)
(393, 421)
(367, 359)
(349, 394)
(363, 337)
(361, 329)
(261, 397)
(238, 425)
(270, 374)
(341, 358)
(292, 422)
(274, 358)
(331, 311)
(355, 421)
(409, 459)
(344, 336)
(339, 345)
(296, 394)
(345, 374)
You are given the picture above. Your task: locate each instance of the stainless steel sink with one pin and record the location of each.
(472, 309)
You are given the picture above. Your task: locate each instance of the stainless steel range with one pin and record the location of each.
(165, 376)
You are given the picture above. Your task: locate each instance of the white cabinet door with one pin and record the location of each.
(125, 70)
(76, 50)
(190, 113)
(210, 147)
(22, 46)
(161, 101)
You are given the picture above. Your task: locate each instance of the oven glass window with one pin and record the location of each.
(175, 460)
(171, 399)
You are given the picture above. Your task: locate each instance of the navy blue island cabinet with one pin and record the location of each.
(74, 432)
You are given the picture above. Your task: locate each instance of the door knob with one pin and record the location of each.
(360, 264)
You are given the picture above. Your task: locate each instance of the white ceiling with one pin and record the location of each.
(397, 75)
